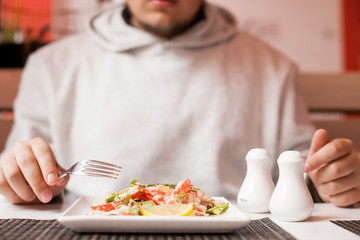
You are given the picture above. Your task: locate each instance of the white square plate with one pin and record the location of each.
(76, 218)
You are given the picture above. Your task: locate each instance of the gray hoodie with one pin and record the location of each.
(163, 109)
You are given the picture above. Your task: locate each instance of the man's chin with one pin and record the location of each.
(163, 30)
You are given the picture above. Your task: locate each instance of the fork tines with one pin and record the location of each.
(101, 169)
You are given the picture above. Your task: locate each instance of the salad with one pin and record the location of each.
(160, 199)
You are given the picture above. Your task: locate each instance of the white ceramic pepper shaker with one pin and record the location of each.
(291, 200)
(258, 186)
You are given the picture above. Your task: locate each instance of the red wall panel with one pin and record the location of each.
(351, 13)
(31, 16)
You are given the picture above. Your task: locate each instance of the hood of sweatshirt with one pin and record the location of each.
(111, 31)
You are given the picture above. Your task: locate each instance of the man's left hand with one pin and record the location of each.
(334, 168)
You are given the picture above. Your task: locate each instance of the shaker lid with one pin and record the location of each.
(258, 153)
(291, 156)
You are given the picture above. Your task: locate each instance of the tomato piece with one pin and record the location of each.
(105, 206)
(136, 195)
(149, 193)
(184, 186)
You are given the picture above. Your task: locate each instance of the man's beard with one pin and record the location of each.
(166, 31)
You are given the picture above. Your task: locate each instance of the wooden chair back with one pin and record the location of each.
(9, 82)
(333, 101)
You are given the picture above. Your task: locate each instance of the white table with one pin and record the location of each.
(316, 227)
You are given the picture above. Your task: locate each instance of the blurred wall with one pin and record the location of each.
(309, 32)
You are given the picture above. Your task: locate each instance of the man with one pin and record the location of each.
(167, 89)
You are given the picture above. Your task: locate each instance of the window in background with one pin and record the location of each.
(24, 26)
(24, 20)
(69, 16)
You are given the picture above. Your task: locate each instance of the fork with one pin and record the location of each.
(93, 168)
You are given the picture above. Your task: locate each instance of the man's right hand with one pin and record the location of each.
(29, 173)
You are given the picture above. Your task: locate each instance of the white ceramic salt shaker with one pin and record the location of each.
(291, 200)
(258, 186)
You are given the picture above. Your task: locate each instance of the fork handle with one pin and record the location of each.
(63, 174)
